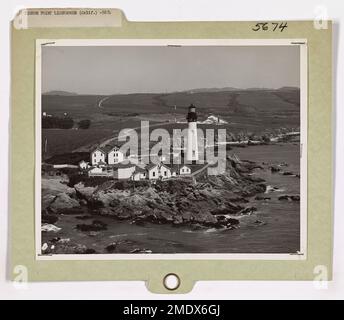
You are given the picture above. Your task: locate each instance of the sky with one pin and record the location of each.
(152, 69)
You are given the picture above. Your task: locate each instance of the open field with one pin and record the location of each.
(254, 111)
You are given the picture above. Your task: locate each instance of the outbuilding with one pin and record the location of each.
(184, 170)
(83, 165)
(124, 170)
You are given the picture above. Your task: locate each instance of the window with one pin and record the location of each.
(153, 173)
(165, 173)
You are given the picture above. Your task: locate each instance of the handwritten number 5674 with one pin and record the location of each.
(274, 26)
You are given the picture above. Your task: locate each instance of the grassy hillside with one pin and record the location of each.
(250, 110)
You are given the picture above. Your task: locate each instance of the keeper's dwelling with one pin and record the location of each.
(115, 156)
(97, 156)
(101, 157)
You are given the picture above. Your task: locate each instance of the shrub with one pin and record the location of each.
(86, 180)
(68, 158)
(56, 122)
(84, 124)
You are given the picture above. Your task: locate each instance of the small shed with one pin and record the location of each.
(139, 174)
(185, 170)
(83, 165)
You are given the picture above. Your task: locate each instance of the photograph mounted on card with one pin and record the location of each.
(176, 149)
(199, 151)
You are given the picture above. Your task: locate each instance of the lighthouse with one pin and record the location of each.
(192, 142)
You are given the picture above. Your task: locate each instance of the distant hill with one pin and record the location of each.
(198, 90)
(59, 93)
(289, 88)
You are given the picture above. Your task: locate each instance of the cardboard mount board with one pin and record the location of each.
(105, 26)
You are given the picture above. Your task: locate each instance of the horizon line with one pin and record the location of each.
(198, 90)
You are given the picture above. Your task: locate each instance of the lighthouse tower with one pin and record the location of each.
(192, 142)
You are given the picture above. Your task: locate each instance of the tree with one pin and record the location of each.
(84, 124)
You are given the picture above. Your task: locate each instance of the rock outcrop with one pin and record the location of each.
(289, 198)
(211, 202)
(62, 202)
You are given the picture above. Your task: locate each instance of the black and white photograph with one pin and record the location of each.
(170, 147)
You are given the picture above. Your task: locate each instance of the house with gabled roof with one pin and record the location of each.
(98, 155)
(152, 171)
(192, 169)
(165, 171)
(185, 170)
(115, 156)
(157, 171)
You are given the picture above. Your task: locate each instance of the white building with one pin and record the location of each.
(139, 174)
(95, 171)
(83, 165)
(157, 171)
(124, 170)
(184, 170)
(165, 171)
(97, 156)
(152, 171)
(192, 142)
(115, 156)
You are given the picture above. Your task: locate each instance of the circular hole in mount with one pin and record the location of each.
(171, 281)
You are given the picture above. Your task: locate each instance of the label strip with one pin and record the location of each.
(67, 18)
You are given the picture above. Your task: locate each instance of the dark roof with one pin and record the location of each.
(176, 167)
(151, 165)
(98, 149)
(108, 148)
(196, 167)
(139, 170)
(166, 166)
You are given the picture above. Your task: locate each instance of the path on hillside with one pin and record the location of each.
(101, 101)
(107, 141)
(89, 147)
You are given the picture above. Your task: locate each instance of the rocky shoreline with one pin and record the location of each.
(205, 202)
